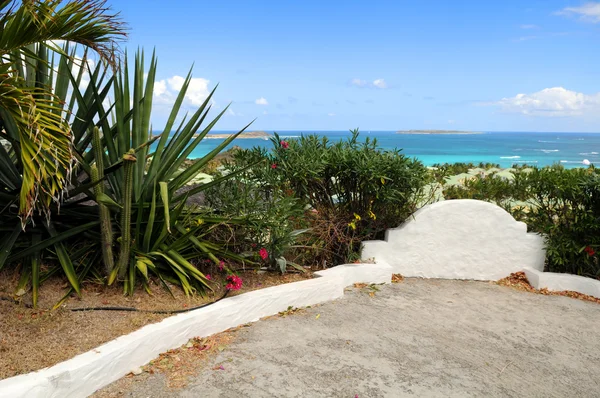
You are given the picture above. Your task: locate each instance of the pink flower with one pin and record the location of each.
(208, 276)
(221, 265)
(234, 282)
(221, 367)
(284, 144)
(263, 253)
(274, 166)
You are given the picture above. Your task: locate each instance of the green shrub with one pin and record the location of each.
(567, 212)
(442, 170)
(354, 189)
(271, 218)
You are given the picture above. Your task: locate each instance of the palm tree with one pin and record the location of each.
(33, 120)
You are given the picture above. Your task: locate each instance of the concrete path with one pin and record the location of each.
(422, 338)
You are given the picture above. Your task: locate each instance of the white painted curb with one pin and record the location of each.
(560, 282)
(90, 371)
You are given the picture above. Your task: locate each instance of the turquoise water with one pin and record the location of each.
(505, 148)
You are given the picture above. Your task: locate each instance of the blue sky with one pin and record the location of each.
(512, 65)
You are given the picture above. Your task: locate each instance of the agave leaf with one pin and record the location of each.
(108, 201)
(64, 259)
(164, 195)
(7, 244)
(56, 238)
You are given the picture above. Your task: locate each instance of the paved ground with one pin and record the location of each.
(422, 338)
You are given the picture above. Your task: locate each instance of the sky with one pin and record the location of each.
(511, 65)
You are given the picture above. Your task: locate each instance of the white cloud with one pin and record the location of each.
(588, 12)
(165, 91)
(231, 112)
(358, 82)
(525, 38)
(160, 87)
(331, 114)
(529, 26)
(176, 82)
(555, 101)
(197, 91)
(377, 83)
(380, 83)
(261, 101)
(89, 67)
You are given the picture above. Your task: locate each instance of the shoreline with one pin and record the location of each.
(438, 132)
(247, 135)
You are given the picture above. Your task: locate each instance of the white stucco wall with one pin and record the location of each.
(88, 372)
(459, 239)
(560, 282)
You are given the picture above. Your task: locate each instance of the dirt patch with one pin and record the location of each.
(519, 281)
(32, 339)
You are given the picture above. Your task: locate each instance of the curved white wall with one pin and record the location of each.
(459, 239)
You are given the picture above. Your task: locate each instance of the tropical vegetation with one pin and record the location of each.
(91, 191)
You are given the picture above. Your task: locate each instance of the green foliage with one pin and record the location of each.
(442, 170)
(272, 219)
(353, 189)
(567, 212)
(158, 234)
(106, 231)
(32, 115)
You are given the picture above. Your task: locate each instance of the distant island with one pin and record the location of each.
(247, 134)
(436, 132)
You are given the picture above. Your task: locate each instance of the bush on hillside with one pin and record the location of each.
(353, 189)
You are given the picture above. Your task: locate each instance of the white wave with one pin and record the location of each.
(546, 150)
(549, 142)
(594, 153)
(571, 161)
(526, 161)
(289, 136)
(510, 157)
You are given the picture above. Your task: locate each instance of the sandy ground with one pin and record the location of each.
(424, 338)
(31, 339)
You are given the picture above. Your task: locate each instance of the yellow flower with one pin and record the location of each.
(357, 217)
(372, 215)
(199, 221)
(382, 181)
(352, 225)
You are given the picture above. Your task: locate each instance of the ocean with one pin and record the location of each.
(504, 148)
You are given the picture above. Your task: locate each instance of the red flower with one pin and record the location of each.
(208, 276)
(284, 144)
(589, 251)
(234, 282)
(274, 166)
(263, 253)
(221, 265)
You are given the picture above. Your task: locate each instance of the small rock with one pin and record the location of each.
(137, 371)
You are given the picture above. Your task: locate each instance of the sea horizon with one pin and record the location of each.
(506, 148)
